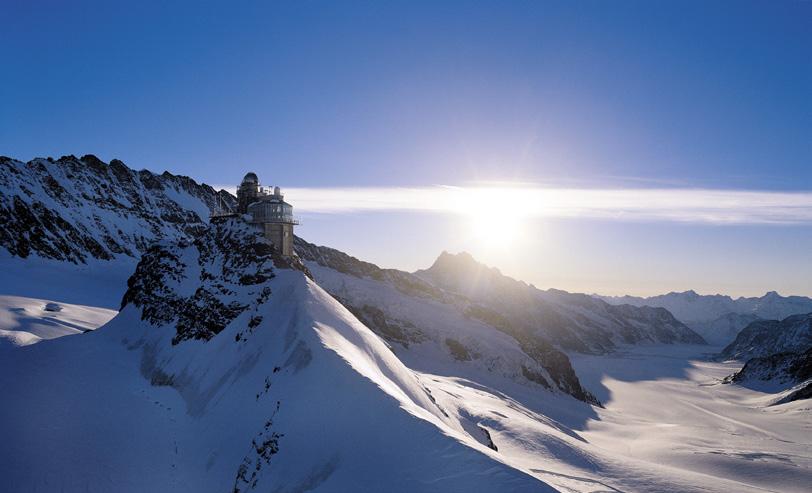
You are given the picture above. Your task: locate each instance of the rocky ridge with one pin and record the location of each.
(767, 337)
(789, 373)
(77, 209)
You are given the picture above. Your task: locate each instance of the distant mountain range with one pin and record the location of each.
(767, 337)
(471, 315)
(573, 321)
(719, 318)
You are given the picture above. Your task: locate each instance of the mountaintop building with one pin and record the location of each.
(268, 211)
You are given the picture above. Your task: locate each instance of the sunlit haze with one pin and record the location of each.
(612, 147)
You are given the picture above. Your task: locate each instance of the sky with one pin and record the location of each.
(612, 147)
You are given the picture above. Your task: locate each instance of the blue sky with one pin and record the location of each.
(618, 95)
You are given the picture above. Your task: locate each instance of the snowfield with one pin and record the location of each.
(666, 406)
(96, 283)
(350, 410)
(25, 321)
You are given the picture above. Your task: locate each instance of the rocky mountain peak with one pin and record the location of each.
(462, 261)
(461, 272)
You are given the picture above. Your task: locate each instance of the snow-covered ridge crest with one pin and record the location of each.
(271, 386)
(76, 209)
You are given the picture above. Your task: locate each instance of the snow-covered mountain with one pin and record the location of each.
(82, 209)
(463, 314)
(436, 331)
(224, 372)
(573, 321)
(724, 329)
(228, 371)
(767, 337)
(719, 318)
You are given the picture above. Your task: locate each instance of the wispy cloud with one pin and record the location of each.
(659, 204)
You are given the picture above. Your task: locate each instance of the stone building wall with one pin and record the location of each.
(281, 235)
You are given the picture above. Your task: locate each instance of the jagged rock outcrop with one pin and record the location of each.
(778, 372)
(76, 209)
(781, 368)
(767, 337)
(205, 284)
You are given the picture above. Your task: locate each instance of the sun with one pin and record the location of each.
(494, 217)
(494, 231)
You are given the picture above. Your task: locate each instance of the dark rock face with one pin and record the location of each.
(458, 350)
(263, 447)
(783, 370)
(804, 392)
(201, 285)
(394, 331)
(766, 337)
(78, 209)
(780, 368)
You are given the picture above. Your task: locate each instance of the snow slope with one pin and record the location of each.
(25, 321)
(279, 388)
(95, 283)
(668, 425)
